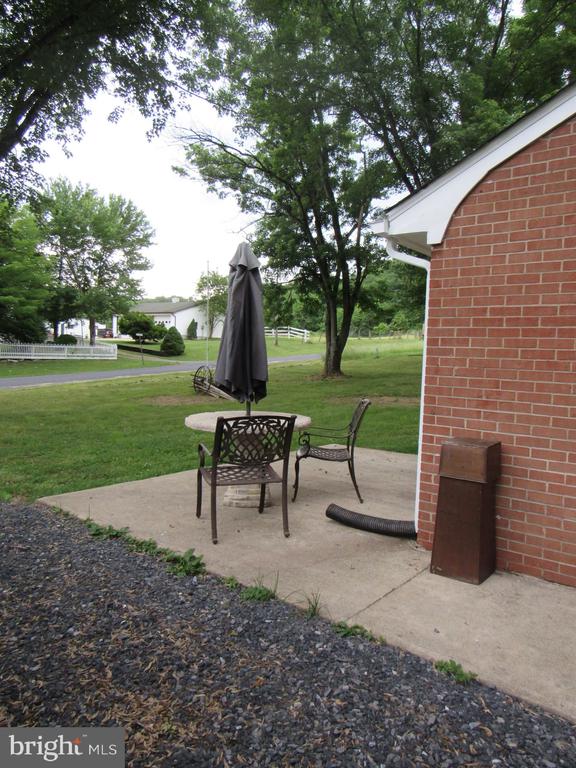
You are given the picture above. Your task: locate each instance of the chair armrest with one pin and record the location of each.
(304, 437)
(320, 431)
(203, 452)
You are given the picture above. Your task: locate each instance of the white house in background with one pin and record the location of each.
(178, 314)
(79, 327)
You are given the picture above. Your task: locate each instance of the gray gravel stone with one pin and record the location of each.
(96, 635)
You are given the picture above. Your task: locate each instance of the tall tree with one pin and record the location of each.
(55, 55)
(24, 277)
(338, 102)
(432, 80)
(96, 245)
(299, 165)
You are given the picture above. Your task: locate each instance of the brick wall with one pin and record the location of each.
(502, 351)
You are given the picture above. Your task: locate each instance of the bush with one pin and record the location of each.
(137, 324)
(66, 338)
(382, 329)
(21, 330)
(172, 343)
(407, 320)
(192, 332)
(159, 331)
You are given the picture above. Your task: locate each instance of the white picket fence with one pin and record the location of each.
(288, 332)
(58, 351)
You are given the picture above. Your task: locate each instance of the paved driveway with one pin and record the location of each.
(69, 378)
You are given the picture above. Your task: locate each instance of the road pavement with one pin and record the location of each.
(16, 382)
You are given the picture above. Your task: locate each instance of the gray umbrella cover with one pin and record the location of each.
(242, 365)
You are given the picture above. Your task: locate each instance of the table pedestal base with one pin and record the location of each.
(245, 496)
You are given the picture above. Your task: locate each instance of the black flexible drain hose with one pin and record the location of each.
(402, 528)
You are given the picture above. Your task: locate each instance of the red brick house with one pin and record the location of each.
(498, 235)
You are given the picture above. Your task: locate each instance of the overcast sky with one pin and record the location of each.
(192, 226)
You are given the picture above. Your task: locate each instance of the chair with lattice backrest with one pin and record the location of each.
(346, 434)
(244, 449)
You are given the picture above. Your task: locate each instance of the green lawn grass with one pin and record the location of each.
(68, 437)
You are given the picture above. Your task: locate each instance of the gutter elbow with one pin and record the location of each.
(407, 258)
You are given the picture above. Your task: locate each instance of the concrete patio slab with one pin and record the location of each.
(515, 632)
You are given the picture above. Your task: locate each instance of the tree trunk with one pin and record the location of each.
(333, 361)
(337, 337)
(92, 326)
(333, 357)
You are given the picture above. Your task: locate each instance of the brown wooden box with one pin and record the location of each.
(464, 536)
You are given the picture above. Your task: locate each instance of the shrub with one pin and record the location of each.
(159, 331)
(138, 324)
(65, 338)
(407, 320)
(172, 343)
(382, 329)
(192, 332)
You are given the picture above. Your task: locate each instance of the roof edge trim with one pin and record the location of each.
(430, 209)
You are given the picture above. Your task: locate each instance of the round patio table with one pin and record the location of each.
(240, 495)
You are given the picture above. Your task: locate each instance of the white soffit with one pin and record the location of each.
(420, 220)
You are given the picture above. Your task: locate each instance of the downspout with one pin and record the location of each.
(422, 263)
(402, 528)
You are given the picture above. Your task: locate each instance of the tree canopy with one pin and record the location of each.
(213, 289)
(300, 167)
(56, 55)
(95, 245)
(338, 103)
(24, 277)
(431, 81)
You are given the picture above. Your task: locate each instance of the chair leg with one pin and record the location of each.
(285, 509)
(198, 494)
(262, 498)
(296, 478)
(213, 513)
(353, 476)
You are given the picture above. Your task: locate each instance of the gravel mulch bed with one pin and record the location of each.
(95, 635)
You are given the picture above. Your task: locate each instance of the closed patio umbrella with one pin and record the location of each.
(242, 364)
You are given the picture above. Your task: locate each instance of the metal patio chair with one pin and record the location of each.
(346, 434)
(244, 448)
